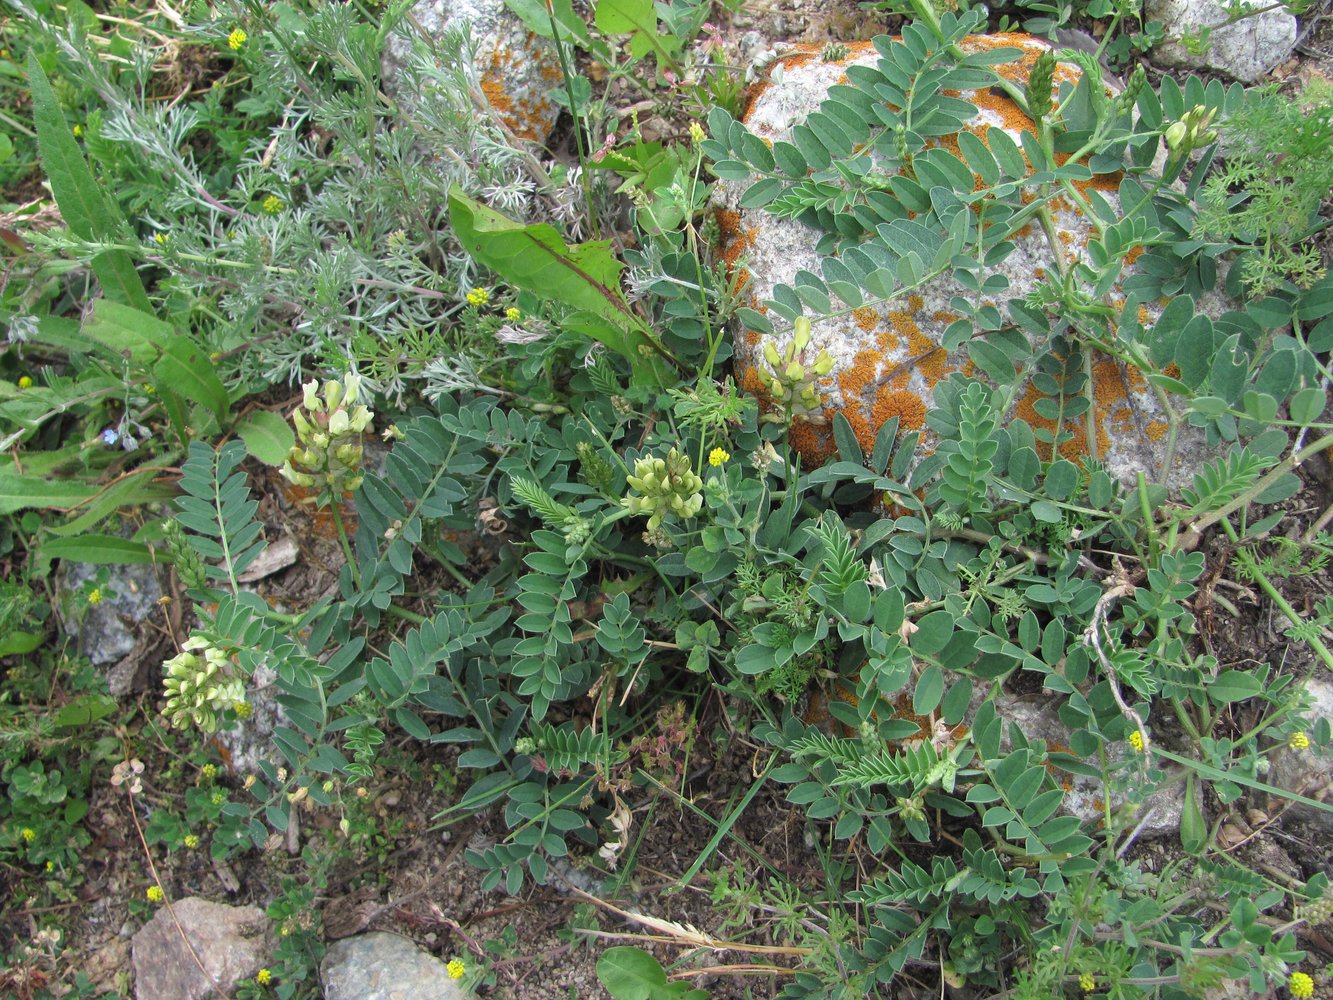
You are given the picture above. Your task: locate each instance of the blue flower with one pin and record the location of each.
(110, 437)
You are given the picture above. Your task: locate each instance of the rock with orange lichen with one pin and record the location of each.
(516, 69)
(888, 358)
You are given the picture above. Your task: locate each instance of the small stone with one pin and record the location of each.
(249, 741)
(1247, 49)
(382, 966)
(231, 942)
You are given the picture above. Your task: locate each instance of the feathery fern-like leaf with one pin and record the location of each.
(218, 510)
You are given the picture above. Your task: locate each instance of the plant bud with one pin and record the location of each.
(1041, 85)
(333, 394)
(801, 336)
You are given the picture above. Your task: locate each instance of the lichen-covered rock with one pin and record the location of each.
(888, 360)
(516, 68)
(1246, 49)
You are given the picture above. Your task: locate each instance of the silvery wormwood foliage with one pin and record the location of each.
(359, 244)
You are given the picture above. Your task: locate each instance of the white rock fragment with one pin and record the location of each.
(1246, 49)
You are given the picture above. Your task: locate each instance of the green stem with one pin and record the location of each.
(335, 508)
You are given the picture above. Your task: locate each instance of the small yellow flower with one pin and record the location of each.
(50, 866)
(236, 39)
(478, 297)
(455, 968)
(717, 456)
(697, 133)
(1298, 741)
(273, 204)
(263, 977)
(28, 834)
(243, 709)
(161, 238)
(78, 131)
(191, 841)
(1087, 983)
(209, 771)
(155, 894)
(95, 596)
(513, 314)
(25, 382)
(1301, 986)
(1136, 741)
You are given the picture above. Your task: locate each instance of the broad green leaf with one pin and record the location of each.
(267, 436)
(131, 333)
(84, 709)
(536, 15)
(632, 974)
(184, 370)
(585, 278)
(89, 215)
(637, 18)
(97, 549)
(1233, 685)
(136, 488)
(22, 492)
(18, 643)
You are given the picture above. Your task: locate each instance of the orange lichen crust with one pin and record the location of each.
(322, 522)
(907, 406)
(529, 117)
(813, 442)
(1114, 391)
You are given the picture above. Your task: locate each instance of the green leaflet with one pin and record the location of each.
(631, 974)
(584, 278)
(87, 213)
(267, 436)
